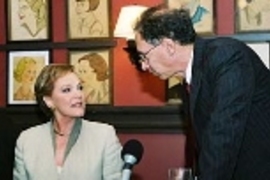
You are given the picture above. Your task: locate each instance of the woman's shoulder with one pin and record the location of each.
(92, 131)
(35, 131)
(97, 126)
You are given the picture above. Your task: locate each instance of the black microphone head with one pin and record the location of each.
(133, 147)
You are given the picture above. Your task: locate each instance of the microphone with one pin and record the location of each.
(131, 154)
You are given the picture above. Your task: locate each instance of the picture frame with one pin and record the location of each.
(23, 69)
(88, 19)
(28, 20)
(252, 16)
(202, 14)
(174, 90)
(94, 69)
(263, 51)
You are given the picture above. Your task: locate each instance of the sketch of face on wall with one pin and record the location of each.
(25, 74)
(200, 12)
(93, 71)
(88, 24)
(32, 19)
(254, 14)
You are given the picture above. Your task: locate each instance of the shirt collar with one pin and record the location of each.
(188, 73)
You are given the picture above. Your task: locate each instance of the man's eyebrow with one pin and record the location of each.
(140, 52)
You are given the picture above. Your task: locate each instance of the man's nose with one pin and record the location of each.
(144, 66)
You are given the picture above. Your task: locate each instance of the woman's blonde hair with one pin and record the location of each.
(44, 84)
(23, 63)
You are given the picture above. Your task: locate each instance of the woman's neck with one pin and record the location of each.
(63, 127)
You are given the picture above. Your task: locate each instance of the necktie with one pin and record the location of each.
(187, 86)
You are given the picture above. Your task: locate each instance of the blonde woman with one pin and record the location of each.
(25, 75)
(67, 147)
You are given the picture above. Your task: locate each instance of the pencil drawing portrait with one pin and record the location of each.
(93, 70)
(28, 20)
(253, 15)
(24, 74)
(87, 18)
(201, 12)
(23, 69)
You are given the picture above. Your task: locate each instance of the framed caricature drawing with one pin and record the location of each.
(93, 68)
(201, 12)
(24, 66)
(252, 15)
(88, 19)
(28, 20)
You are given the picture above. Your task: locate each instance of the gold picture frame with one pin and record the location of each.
(201, 12)
(28, 20)
(174, 90)
(252, 16)
(88, 19)
(94, 69)
(24, 67)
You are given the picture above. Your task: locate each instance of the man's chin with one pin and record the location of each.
(162, 77)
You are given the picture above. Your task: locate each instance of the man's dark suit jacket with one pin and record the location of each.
(230, 109)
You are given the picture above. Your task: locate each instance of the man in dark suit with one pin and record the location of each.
(229, 95)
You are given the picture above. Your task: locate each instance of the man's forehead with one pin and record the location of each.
(139, 40)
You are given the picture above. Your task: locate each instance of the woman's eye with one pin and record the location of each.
(80, 87)
(66, 90)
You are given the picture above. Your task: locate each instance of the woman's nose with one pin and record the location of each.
(79, 93)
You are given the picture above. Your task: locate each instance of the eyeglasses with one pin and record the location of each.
(143, 56)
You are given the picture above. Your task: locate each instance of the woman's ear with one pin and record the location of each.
(48, 101)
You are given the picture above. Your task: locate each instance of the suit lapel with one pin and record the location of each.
(197, 67)
(195, 88)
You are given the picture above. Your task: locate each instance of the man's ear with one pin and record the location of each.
(169, 45)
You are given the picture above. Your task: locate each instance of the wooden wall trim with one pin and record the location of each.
(165, 119)
(75, 45)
